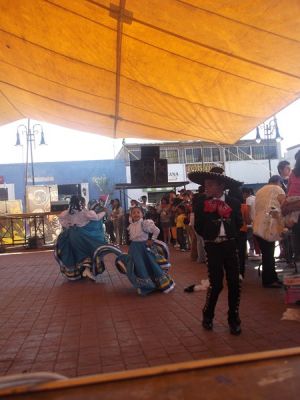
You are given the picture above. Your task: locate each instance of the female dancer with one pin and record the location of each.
(82, 234)
(143, 271)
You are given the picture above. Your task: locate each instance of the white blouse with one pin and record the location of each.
(138, 231)
(79, 218)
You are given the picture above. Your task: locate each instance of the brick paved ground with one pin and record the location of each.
(80, 328)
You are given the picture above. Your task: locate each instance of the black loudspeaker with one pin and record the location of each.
(150, 152)
(142, 172)
(136, 172)
(148, 171)
(161, 171)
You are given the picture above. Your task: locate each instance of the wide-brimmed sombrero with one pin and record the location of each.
(200, 177)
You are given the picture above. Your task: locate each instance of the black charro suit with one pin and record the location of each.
(208, 225)
(220, 255)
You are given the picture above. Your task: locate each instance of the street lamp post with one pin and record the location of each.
(268, 129)
(30, 134)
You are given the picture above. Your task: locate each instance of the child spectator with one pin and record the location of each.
(180, 227)
(143, 271)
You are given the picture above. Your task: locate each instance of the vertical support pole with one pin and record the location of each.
(31, 138)
(268, 132)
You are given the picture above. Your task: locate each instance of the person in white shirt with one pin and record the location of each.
(249, 198)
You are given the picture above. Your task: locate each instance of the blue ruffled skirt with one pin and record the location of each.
(76, 246)
(143, 271)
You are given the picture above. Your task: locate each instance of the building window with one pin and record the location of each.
(189, 156)
(193, 155)
(258, 152)
(3, 194)
(244, 152)
(231, 153)
(171, 155)
(197, 154)
(216, 155)
(271, 152)
(134, 155)
(207, 157)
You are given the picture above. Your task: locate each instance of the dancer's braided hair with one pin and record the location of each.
(76, 203)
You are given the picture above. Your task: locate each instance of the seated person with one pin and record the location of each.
(82, 234)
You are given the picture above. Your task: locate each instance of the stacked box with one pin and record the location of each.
(292, 289)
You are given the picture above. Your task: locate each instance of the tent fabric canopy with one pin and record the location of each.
(151, 69)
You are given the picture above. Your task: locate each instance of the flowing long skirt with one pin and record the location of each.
(143, 271)
(76, 246)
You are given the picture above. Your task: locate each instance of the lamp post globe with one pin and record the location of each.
(268, 129)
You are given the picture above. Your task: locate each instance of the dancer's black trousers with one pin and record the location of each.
(222, 257)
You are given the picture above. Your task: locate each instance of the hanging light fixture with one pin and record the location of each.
(278, 138)
(258, 138)
(42, 138)
(269, 128)
(18, 141)
(30, 135)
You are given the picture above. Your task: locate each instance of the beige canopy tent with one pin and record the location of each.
(155, 69)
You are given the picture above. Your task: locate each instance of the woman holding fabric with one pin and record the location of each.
(268, 226)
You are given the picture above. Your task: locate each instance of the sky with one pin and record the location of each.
(68, 145)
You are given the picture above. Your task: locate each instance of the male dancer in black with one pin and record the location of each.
(218, 220)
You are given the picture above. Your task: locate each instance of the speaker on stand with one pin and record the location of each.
(161, 171)
(150, 169)
(151, 152)
(136, 172)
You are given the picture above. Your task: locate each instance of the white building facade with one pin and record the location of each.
(245, 161)
(290, 154)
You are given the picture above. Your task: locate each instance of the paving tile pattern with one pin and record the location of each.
(82, 328)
